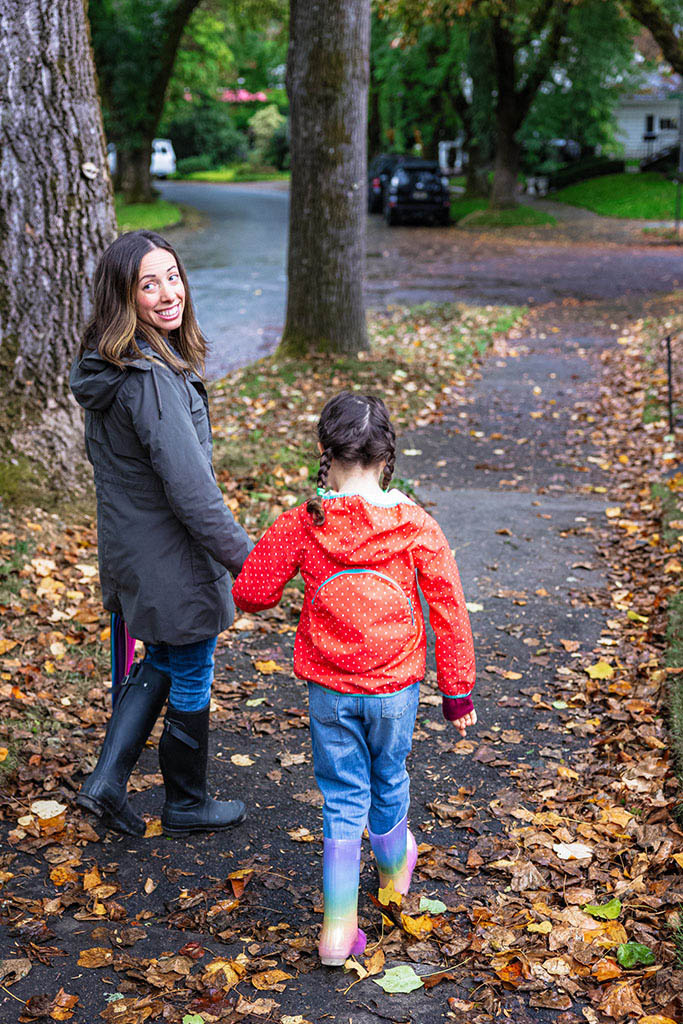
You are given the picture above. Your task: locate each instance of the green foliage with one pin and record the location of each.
(205, 129)
(607, 911)
(233, 172)
(631, 954)
(263, 125)
(649, 196)
(204, 63)
(277, 150)
(577, 101)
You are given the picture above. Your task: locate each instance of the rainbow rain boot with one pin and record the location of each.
(396, 856)
(340, 937)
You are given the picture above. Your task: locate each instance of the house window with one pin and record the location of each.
(668, 124)
(649, 123)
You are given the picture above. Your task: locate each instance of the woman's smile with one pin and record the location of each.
(160, 293)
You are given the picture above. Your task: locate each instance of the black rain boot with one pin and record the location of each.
(184, 758)
(143, 694)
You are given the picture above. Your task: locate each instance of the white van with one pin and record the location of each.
(163, 158)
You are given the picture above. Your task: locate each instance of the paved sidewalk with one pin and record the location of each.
(497, 475)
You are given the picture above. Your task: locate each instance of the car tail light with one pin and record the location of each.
(376, 183)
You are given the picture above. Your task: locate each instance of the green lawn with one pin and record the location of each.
(154, 216)
(237, 172)
(476, 213)
(648, 196)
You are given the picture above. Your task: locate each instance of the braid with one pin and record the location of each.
(314, 506)
(390, 463)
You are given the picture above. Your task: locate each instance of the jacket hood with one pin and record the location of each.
(360, 532)
(95, 381)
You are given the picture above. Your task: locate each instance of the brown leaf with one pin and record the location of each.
(620, 1000)
(98, 956)
(270, 979)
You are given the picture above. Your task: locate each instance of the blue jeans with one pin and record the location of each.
(360, 746)
(190, 667)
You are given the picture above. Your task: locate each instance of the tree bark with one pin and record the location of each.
(133, 177)
(56, 213)
(327, 83)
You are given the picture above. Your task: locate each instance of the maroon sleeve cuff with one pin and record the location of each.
(456, 707)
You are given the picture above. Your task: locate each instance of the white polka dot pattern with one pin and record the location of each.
(361, 628)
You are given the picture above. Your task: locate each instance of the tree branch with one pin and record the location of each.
(177, 19)
(650, 14)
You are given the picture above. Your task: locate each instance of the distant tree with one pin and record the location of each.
(664, 19)
(135, 45)
(56, 216)
(327, 83)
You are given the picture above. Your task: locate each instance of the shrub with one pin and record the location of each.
(191, 164)
(205, 130)
(264, 125)
(276, 151)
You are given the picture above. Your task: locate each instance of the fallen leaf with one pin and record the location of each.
(573, 851)
(242, 760)
(600, 670)
(607, 911)
(13, 970)
(399, 979)
(269, 979)
(98, 956)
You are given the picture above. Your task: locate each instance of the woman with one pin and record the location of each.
(166, 539)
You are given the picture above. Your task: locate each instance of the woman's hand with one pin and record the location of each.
(461, 724)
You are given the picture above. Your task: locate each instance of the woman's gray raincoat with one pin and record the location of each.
(165, 536)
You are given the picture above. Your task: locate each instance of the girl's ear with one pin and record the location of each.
(320, 448)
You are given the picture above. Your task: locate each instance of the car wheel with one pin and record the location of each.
(444, 219)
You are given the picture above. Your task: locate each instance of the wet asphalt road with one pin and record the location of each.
(237, 262)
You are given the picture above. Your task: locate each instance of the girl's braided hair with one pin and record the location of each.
(352, 429)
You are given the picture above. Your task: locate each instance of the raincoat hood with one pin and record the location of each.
(95, 381)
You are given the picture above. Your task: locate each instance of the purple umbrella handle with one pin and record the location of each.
(122, 654)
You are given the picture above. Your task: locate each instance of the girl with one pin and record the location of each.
(166, 539)
(362, 551)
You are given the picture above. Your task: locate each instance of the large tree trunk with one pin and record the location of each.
(56, 214)
(327, 82)
(506, 167)
(132, 176)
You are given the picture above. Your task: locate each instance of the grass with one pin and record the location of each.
(238, 172)
(153, 216)
(264, 415)
(476, 213)
(648, 196)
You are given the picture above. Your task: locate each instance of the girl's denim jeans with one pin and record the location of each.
(360, 746)
(190, 667)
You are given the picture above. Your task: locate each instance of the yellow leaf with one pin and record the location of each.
(150, 886)
(656, 1018)
(600, 670)
(63, 874)
(613, 512)
(678, 857)
(542, 927)
(420, 926)
(153, 828)
(91, 879)
(3, 754)
(6, 645)
(242, 760)
(301, 835)
(267, 668)
(266, 979)
(389, 895)
(566, 773)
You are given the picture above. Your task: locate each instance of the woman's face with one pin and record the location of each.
(160, 293)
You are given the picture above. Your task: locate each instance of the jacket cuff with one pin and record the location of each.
(456, 707)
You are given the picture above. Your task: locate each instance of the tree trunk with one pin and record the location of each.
(506, 166)
(476, 173)
(133, 177)
(56, 215)
(327, 83)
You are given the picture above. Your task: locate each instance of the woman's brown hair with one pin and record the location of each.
(114, 327)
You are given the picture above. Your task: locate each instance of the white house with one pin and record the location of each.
(648, 120)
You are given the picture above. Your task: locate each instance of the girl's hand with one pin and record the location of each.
(461, 724)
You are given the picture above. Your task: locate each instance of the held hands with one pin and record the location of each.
(461, 724)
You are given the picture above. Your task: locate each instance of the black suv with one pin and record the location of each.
(379, 172)
(417, 189)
